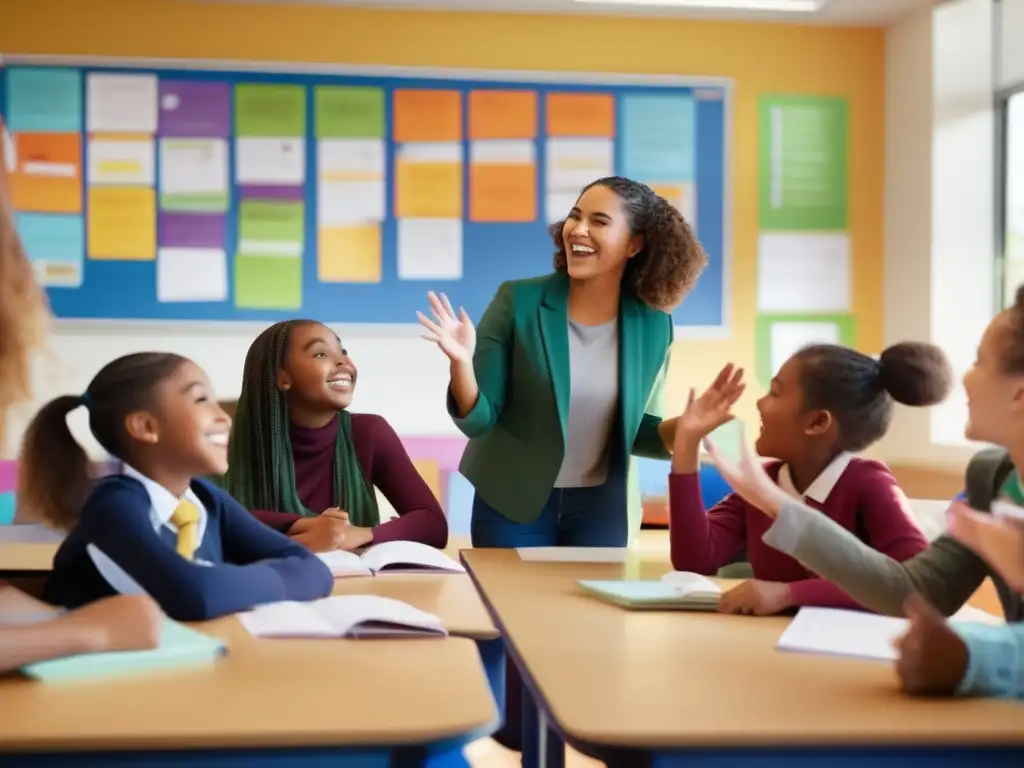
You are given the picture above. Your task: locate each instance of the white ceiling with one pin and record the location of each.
(869, 12)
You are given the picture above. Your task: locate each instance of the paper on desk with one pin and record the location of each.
(573, 554)
(838, 632)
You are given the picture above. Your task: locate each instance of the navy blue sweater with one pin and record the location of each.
(250, 562)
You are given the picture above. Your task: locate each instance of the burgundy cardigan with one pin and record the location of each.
(385, 464)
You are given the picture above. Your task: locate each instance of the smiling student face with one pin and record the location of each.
(786, 425)
(597, 235)
(187, 426)
(995, 398)
(318, 375)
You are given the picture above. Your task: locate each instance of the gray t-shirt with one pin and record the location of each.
(593, 403)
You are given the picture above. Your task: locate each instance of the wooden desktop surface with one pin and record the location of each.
(622, 678)
(26, 558)
(264, 693)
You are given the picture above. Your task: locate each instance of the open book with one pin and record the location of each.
(353, 616)
(392, 556)
(180, 647)
(676, 591)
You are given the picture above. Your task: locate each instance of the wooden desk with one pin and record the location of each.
(268, 694)
(26, 559)
(667, 681)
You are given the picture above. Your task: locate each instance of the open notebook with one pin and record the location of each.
(392, 556)
(354, 616)
(179, 647)
(839, 632)
(676, 591)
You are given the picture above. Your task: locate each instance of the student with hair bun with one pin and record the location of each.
(825, 404)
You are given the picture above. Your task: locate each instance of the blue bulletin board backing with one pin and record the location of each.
(120, 281)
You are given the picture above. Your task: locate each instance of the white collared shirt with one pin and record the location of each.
(821, 488)
(162, 505)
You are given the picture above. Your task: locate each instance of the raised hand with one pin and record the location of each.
(704, 414)
(454, 334)
(748, 478)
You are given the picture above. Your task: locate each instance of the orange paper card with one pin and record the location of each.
(422, 115)
(502, 115)
(503, 193)
(581, 114)
(48, 173)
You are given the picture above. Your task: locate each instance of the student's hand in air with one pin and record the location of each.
(121, 623)
(932, 657)
(999, 541)
(704, 414)
(748, 478)
(757, 598)
(454, 334)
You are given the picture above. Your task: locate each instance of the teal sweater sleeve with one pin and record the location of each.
(995, 665)
(648, 442)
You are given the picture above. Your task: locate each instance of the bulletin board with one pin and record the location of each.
(149, 191)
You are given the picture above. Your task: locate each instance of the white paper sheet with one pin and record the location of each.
(789, 337)
(558, 205)
(191, 274)
(343, 203)
(573, 554)
(270, 161)
(431, 152)
(503, 152)
(573, 163)
(345, 157)
(193, 166)
(803, 272)
(429, 249)
(121, 163)
(122, 103)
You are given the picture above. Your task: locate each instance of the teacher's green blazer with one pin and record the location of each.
(517, 428)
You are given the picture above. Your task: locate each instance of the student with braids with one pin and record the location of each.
(306, 466)
(31, 630)
(156, 527)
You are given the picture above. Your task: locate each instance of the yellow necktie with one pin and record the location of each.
(186, 519)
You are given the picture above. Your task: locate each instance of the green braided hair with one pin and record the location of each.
(261, 472)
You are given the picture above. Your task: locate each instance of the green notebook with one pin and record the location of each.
(651, 595)
(179, 647)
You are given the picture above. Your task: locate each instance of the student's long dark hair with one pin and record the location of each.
(55, 472)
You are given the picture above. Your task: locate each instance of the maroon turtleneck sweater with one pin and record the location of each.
(385, 464)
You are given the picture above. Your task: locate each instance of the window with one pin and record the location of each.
(1012, 229)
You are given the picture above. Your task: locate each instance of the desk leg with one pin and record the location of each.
(542, 745)
(493, 656)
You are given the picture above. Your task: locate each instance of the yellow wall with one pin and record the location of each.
(847, 62)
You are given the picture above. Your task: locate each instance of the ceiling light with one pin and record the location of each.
(788, 6)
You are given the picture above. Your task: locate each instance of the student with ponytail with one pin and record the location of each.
(155, 527)
(303, 464)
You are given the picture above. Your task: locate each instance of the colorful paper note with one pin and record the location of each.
(658, 137)
(502, 181)
(270, 227)
(778, 336)
(502, 114)
(55, 244)
(351, 187)
(44, 99)
(191, 274)
(122, 223)
(350, 254)
(121, 162)
(121, 103)
(683, 197)
(804, 272)
(196, 171)
(270, 110)
(430, 249)
(580, 114)
(268, 282)
(571, 164)
(428, 181)
(192, 230)
(262, 161)
(803, 146)
(344, 112)
(427, 115)
(47, 172)
(195, 109)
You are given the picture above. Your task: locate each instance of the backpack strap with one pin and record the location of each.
(986, 473)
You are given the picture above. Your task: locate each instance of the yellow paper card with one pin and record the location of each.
(428, 190)
(122, 223)
(350, 254)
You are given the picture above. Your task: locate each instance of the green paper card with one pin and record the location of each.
(349, 112)
(268, 282)
(270, 110)
(777, 337)
(265, 220)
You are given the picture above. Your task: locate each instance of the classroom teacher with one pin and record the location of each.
(561, 384)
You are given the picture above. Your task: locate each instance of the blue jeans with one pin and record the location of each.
(571, 517)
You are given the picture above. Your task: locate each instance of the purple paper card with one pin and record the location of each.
(8, 476)
(195, 110)
(192, 230)
(254, 192)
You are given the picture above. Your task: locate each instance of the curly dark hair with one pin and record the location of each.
(667, 267)
(1013, 352)
(859, 391)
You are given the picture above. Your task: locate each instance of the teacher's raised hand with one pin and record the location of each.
(454, 334)
(748, 478)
